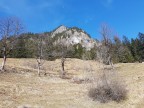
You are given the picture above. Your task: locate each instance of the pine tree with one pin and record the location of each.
(20, 50)
(121, 53)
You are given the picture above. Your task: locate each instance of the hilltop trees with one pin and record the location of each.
(141, 46)
(20, 50)
(136, 47)
(10, 28)
(112, 49)
(121, 53)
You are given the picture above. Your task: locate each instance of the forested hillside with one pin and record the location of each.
(124, 51)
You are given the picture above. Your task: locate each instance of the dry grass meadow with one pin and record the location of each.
(20, 87)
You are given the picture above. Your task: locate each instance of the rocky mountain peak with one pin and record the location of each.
(60, 29)
(72, 36)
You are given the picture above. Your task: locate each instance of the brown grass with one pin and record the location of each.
(25, 88)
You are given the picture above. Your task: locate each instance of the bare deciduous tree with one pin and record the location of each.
(10, 28)
(40, 57)
(104, 50)
(63, 51)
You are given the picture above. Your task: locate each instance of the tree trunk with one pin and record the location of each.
(38, 70)
(110, 62)
(39, 65)
(4, 60)
(62, 64)
(3, 63)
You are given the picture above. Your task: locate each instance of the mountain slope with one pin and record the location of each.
(72, 36)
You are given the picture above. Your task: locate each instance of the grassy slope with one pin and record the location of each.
(25, 88)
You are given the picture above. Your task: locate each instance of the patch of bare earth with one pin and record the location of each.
(20, 87)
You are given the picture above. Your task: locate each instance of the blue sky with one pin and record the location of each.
(125, 17)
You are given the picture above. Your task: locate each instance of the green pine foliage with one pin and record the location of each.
(121, 53)
(20, 50)
(136, 47)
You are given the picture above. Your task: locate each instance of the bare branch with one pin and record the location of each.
(10, 28)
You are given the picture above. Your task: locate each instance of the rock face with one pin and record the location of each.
(60, 29)
(72, 36)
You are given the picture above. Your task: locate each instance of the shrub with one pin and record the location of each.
(101, 94)
(106, 94)
(111, 92)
